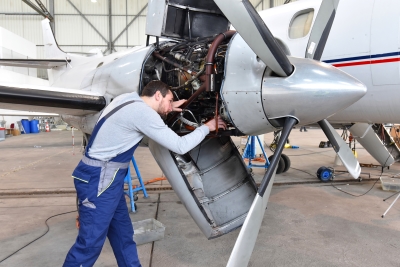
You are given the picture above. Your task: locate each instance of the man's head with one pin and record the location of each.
(159, 96)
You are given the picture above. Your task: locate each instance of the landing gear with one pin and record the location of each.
(325, 174)
(287, 162)
(249, 152)
(283, 164)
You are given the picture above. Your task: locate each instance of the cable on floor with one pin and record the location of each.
(353, 194)
(313, 175)
(48, 229)
(154, 180)
(320, 152)
(372, 185)
(341, 189)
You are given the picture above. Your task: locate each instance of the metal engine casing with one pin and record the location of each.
(212, 182)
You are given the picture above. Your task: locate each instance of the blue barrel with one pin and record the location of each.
(25, 124)
(34, 124)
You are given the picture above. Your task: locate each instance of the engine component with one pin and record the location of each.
(180, 57)
(194, 71)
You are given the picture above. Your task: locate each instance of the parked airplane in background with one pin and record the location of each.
(237, 76)
(363, 42)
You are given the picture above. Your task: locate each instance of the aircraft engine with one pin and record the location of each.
(194, 71)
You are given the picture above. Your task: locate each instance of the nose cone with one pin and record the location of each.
(313, 92)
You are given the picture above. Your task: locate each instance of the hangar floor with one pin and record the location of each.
(308, 223)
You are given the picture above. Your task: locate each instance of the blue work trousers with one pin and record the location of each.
(102, 213)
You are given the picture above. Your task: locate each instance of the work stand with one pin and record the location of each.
(132, 192)
(250, 153)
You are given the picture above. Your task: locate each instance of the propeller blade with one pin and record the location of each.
(253, 30)
(246, 240)
(341, 148)
(321, 28)
(315, 47)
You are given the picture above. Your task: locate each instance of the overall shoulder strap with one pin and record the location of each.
(100, 123)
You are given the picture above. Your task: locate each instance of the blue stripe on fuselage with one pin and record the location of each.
(362, 57)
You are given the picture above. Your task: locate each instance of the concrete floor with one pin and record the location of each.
(308, 223)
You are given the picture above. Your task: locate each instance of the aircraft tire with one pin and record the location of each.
(287, 162)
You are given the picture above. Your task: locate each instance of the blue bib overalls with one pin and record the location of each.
(102, 207)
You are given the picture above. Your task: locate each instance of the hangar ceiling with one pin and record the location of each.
(81, 26)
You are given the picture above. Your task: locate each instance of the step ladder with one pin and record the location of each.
(131, 192)
(250, 152)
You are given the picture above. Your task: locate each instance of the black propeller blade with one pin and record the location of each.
(246, 240)
(253, 30)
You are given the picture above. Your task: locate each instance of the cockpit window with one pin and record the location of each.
(301, 23)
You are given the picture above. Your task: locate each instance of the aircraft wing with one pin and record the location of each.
(7, 112)
(50, 99)
(34, 63)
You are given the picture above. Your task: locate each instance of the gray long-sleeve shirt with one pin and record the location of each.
(128, 125)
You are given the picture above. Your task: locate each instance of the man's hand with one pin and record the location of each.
(177, 104)
(212, 125)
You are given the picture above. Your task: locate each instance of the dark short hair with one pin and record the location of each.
(152, 87)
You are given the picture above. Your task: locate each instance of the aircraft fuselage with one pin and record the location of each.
(363, 42)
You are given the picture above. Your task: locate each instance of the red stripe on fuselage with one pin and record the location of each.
(348, 64)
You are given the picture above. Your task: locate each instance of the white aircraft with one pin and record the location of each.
(245, 77)
(363, 42)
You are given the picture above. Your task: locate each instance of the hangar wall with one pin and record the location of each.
(83, 25)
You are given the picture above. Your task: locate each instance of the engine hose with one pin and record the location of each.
(188, 122)
(209, 63)
(210, 55)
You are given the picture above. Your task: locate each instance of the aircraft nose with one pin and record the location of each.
(313, 92)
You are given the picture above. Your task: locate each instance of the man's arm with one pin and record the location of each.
(154, 127)
(177, 104)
